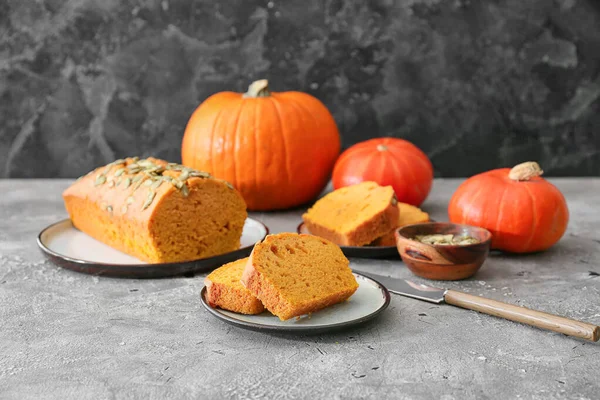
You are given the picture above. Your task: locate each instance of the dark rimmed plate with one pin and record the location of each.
(70, 248)
(361, 251)
(370, 299)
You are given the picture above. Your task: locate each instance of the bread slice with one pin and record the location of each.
(156, 211)
(296, 274)
(354, 215)
(409, 214)
(224, 289)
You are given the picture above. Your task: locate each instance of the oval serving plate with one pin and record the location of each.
(361, 251)
(72, 249)
(370, 299)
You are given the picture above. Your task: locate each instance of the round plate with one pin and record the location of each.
(361, 251)
(370, 299)
(70, 248)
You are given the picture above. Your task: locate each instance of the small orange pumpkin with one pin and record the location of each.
(387, 161)
(277, 149)
(524, 212)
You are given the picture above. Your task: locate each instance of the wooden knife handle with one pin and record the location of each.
(524, 315)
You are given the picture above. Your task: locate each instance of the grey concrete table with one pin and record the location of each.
(65, 335)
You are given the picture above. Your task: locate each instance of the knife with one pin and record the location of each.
(488, 306)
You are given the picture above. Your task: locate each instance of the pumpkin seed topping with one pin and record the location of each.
(185, 191)
(149, 199)
(185, 174)
(100, 179)
(133, 173)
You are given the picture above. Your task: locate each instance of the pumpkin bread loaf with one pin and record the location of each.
(409, 214)
(224, 289)
(354, 215)
(294, 274)
(157, 211)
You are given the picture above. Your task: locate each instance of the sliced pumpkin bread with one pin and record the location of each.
(408, 214)
(354, 215)
(296, 274)
(224, 289)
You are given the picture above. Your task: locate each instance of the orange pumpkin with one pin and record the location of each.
(524, 212)
(387, 161)
(277, 149)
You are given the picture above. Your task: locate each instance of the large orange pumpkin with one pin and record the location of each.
(524, 212)
(277, 149)
(387, 161)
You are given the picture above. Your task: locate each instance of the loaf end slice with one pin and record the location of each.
(224, 290)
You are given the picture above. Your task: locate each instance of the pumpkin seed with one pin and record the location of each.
(185, 174)
(156, 184)
(146, 164)
(127, 182)
(149, 199)
(124, 209)
(200, 174)
(119, 172)
(109, 209)
(111, 184)
(130, 200)
(136, 178)
(185, 190)
(100, 179)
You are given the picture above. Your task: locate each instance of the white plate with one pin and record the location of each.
(70, 248)
(369, 300)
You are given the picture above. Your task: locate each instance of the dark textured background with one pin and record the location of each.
(475, 84)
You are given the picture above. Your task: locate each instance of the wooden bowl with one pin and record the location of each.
(443, 262)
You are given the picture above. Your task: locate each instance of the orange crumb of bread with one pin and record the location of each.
(354, 215)
(224, 289)
(296, 274)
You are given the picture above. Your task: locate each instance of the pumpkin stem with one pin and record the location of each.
(525, 171)
(258, 88)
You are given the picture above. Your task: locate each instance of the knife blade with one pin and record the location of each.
(496, 308)
(408, 288)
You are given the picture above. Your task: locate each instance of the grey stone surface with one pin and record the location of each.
(65, 335)
(475, 84)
